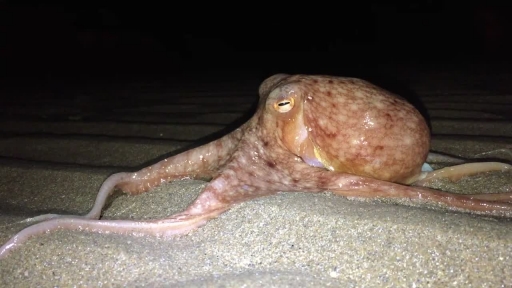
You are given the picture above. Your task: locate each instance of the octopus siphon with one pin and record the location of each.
(310, 133)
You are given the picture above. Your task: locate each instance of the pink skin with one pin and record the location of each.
(310, 134)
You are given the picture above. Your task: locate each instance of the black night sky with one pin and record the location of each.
(43, 43)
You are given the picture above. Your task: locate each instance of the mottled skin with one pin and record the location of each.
(362, 129)
(309, 134)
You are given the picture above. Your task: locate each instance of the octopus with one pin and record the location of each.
(310, 133)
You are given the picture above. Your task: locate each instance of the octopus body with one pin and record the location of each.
(309, 134)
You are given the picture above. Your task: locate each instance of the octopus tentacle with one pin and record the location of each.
(202, 162)
(106, 189)
(212, 202)
(501, 197)
(206, 206)
(357, 186)
(178, 224)
(456, 172)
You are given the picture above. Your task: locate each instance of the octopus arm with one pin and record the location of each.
(213, 201)
(202, 162)
(493, 204)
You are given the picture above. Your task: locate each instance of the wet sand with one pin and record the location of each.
(289, 239)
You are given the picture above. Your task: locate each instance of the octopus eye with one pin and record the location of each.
(284, 106)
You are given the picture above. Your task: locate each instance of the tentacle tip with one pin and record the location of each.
(6, 249)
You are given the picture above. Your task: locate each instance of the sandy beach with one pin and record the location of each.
(53, 161)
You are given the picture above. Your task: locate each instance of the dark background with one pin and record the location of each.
(56, 44)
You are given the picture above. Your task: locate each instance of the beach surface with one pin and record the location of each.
(53, 158)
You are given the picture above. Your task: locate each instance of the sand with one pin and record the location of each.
(285, 240)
